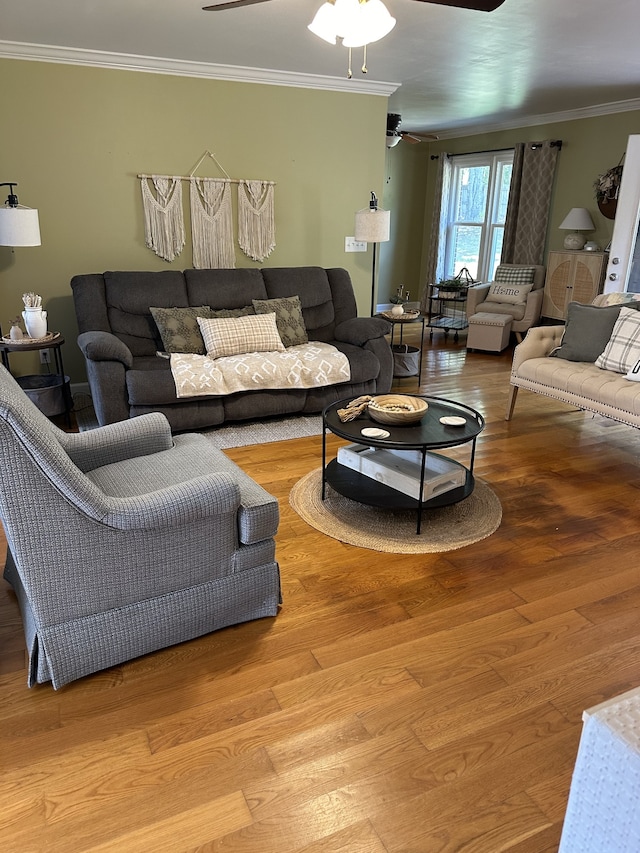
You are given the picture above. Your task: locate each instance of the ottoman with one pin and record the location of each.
(489, 331)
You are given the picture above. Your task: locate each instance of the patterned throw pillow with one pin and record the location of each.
(511, 275)
(623, 349)
(236, 336)
(178, 328)
(288, 311)
(513, 294)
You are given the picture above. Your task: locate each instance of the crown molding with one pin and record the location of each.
(185, 68)
(545, 118)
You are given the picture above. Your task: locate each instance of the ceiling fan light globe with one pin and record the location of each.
(324, 24)
(393, 139)
(370, 23)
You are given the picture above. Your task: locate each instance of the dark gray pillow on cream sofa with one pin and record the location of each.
(587, 331)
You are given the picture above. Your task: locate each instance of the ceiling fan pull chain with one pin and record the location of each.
(349, 72)
(364, 61)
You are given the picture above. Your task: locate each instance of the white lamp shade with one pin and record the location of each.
(372, 23)
(578, 219)
(373, 226)
(356, 23)
(324, 24)
(19, 226)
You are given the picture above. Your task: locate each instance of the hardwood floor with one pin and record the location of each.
(397, 704)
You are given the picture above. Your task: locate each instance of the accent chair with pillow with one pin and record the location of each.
(517, 292)
(124, 539)
(136, 327)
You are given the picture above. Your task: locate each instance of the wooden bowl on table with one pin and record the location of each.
(397, 409)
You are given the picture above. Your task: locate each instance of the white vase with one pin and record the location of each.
(35, 321)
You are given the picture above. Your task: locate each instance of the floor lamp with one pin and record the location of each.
(19, 225)
(373, 226)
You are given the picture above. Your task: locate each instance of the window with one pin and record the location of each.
(477, 207)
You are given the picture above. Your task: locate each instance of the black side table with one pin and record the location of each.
(51, 392)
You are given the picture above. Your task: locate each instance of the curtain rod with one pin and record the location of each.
(193, 178)
(554, 143)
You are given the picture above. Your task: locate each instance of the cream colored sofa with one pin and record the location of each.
(578, 383)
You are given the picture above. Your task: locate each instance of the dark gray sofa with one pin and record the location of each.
(119, 340)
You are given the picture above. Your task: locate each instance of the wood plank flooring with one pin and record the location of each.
(397, 704)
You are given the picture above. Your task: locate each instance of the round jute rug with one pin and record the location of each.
(444, 529)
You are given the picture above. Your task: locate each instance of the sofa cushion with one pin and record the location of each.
(257, 333)
(128, 296)
(623, 348)
(587, 332)
(513, 310)
(311, 285)
(289, 319)
(223, 288)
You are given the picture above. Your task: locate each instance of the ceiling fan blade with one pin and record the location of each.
(478, 5)
(230, 4)
(413, 138)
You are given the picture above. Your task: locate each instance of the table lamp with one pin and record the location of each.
(578, 219)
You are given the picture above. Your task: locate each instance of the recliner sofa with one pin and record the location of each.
(120, 340)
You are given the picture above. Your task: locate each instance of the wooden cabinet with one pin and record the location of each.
(572, 277)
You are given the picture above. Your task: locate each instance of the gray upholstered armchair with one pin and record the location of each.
(124, 539)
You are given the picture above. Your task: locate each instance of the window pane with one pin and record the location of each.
(496, 251)
(503, 191)
(466, 248)
(472, 194)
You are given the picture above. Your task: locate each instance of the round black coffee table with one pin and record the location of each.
(428, 435)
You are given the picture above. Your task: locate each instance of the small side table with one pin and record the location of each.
(53, 397)
(402, 321)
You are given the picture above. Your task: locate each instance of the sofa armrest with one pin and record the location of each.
(538, 343)
(476, 294)
(139, 436)
(103, 346)
(359, 330)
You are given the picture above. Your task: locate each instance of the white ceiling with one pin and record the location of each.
(459, 70)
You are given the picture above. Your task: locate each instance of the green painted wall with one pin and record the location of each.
(590, 146)
(404, 193)
(75, 138)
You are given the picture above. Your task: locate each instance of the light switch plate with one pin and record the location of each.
(353, 245)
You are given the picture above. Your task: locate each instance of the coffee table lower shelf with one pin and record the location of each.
(365, 490)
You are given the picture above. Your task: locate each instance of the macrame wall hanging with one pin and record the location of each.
(256, 222)
(211, 224)
(163, 218)
(211, 217)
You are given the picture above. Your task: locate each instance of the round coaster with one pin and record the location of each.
(453, 420)
(374, 432)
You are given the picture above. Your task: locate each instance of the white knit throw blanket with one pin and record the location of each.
(163, 218)
(211, 224)
(256, 221)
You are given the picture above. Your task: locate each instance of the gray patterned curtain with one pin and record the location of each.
(438, 236)
(525, 231)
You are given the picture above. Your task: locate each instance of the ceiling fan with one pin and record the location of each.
(479, 5)
(395, 135)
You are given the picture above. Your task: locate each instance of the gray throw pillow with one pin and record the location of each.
(587, 331)
(179, 328)
(289, 319)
